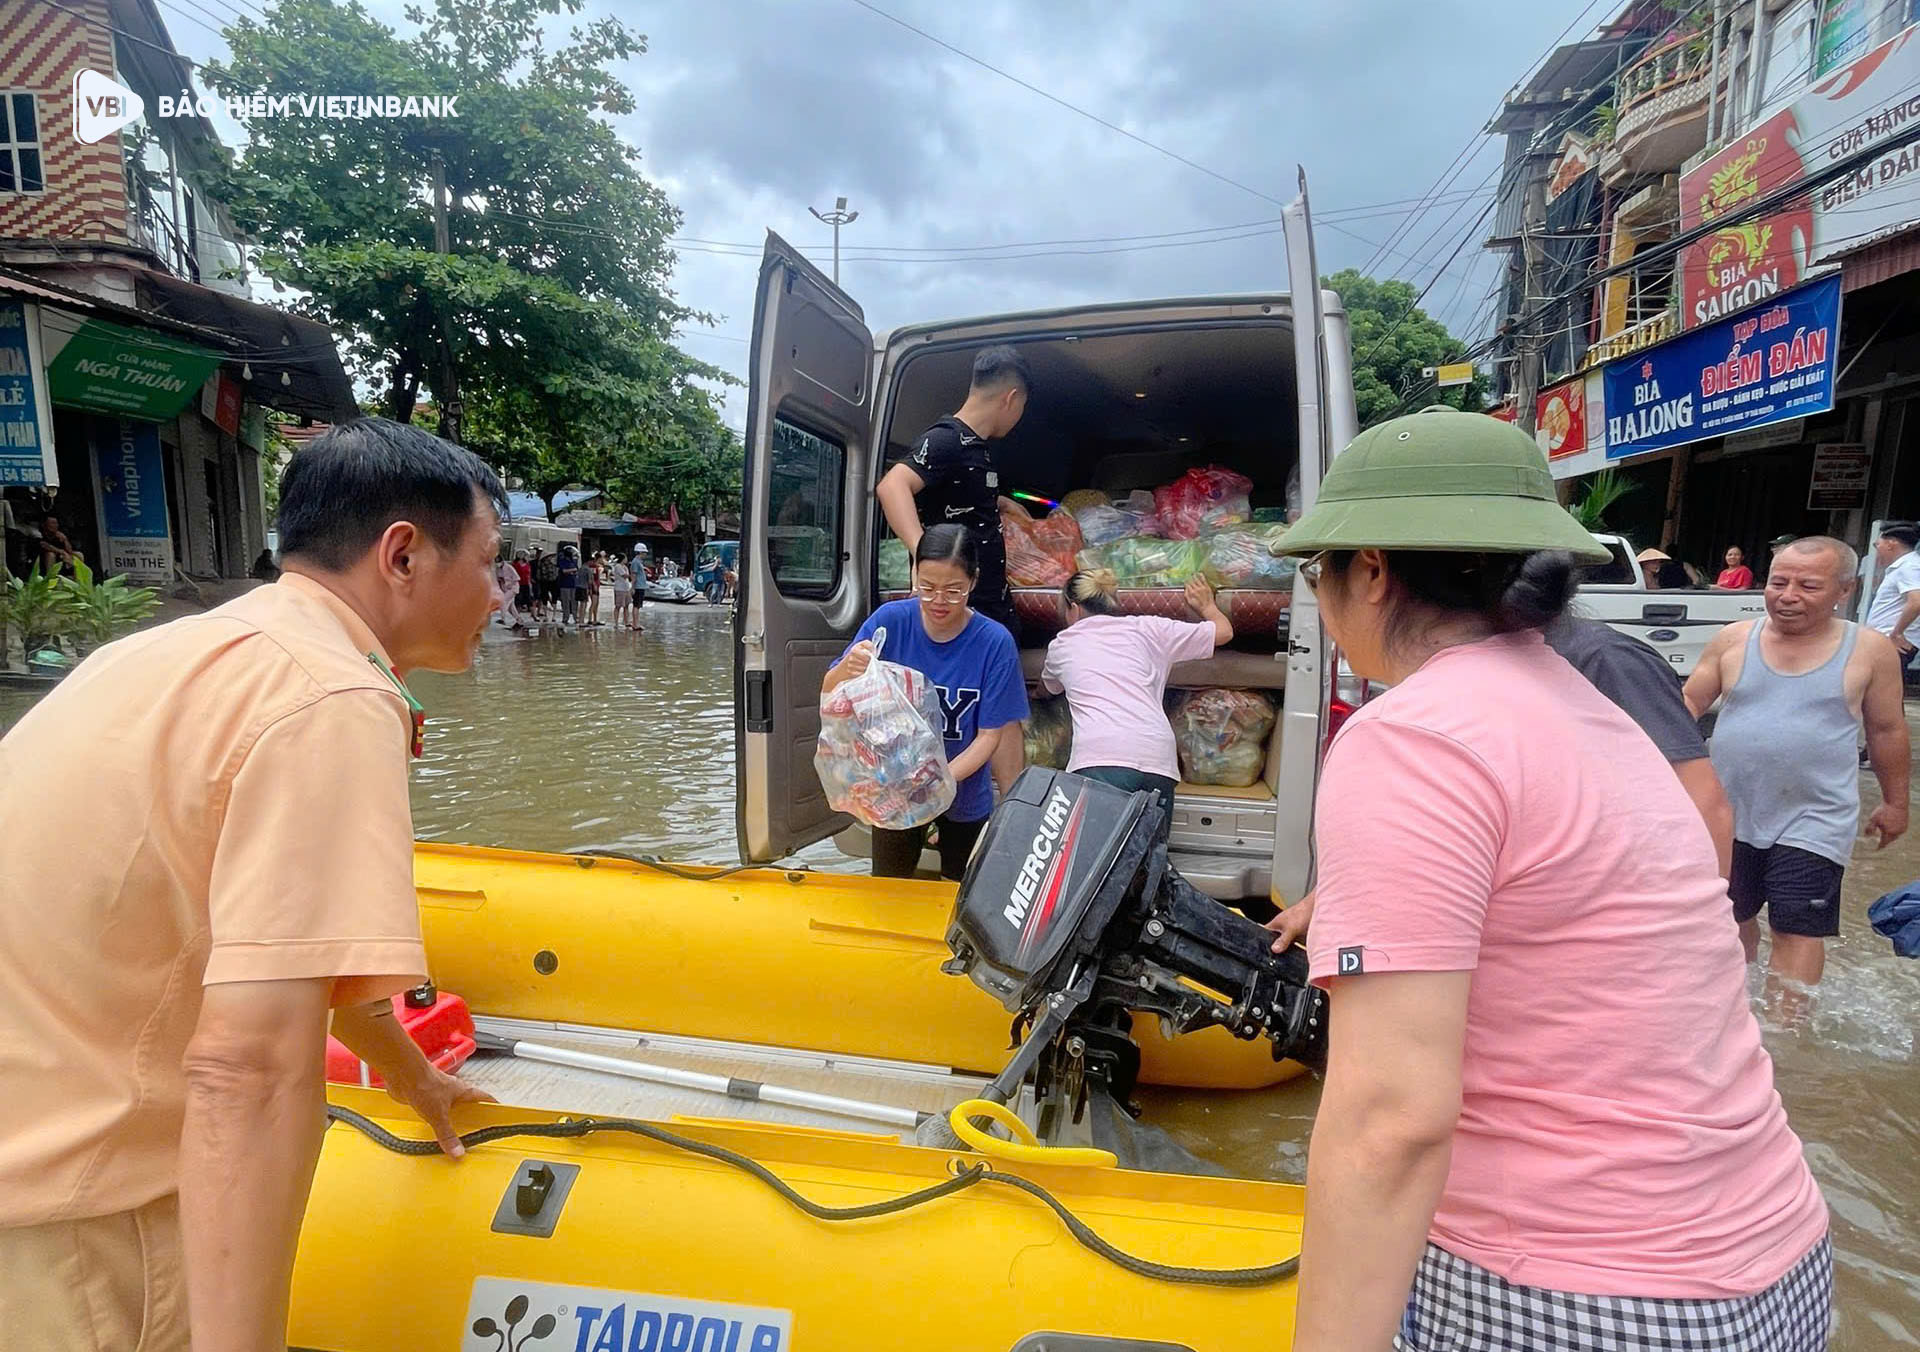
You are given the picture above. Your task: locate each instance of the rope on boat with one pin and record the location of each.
(689, 875)
(965, 1176)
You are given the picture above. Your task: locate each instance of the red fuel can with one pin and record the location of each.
(440, 1023)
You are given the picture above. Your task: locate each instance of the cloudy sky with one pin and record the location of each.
(752, 110)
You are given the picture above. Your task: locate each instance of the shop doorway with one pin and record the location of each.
(1746, 500)
(1903, 492)
(216, 515)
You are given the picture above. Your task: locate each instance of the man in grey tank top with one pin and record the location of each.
(1798, 684)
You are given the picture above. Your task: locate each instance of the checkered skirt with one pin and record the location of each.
(1459, 1307)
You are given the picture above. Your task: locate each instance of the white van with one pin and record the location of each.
(530, 535)
(1125, 395)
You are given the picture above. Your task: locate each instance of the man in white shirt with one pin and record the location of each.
(1895, 611)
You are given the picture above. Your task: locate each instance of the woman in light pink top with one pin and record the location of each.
(1113, 669)
(1548, 1120)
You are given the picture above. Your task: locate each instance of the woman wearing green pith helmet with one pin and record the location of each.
(1548, 1118)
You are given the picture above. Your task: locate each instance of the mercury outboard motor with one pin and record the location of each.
(1071, 916)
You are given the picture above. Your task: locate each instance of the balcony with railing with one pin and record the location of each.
(150, 228)
(1655, 328)
(1660, 109)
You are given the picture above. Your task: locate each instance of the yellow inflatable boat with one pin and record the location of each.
(824, 961)
(597, 1212)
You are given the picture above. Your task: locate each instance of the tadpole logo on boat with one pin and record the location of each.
(504, 1315)
(102, 106)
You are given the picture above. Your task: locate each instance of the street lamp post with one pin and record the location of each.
(836, 218)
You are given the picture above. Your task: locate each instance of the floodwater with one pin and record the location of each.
(600, 740)
(590, 739)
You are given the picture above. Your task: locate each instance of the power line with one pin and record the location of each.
(226, 16)
(1070, 107)
(964, 253)
(179, 13)
(1764, 204)
(1460, 160)
(1415, 304)
(1446, 179)
(1364, 212)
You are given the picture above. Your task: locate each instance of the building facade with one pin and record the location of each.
(136, 369)
(1731, 345)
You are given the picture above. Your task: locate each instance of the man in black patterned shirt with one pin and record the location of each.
(950, 475)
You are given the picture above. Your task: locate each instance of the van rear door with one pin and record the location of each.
(806, 494)
(1323, 369)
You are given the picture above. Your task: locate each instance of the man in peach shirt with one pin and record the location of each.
(208, 848)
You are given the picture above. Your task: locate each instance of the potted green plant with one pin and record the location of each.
(42, 611)
(100, 612)
(1603, 490)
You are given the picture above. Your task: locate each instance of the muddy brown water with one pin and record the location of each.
(599, 740)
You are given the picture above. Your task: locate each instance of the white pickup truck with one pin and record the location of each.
(1675, 622)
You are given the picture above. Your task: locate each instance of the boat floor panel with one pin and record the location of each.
(533, 1084)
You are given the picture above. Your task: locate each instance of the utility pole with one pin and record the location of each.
(1715, 104)
(449, 384)
(1529, 351)
(836, 218)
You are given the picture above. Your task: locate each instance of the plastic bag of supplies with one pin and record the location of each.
(881, 756)
(1039, 553)
(1201, 500)
(1144, 561)
(1222, 735)
(1049, 732)
(896, 566)
(1242, 556)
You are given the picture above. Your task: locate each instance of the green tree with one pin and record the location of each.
(594, 423)
(695, 467)
(558, 271)
(1393, 343)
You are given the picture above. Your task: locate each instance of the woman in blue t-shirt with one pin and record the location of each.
(975, 668)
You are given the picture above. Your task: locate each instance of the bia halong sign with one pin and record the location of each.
(1766, 365)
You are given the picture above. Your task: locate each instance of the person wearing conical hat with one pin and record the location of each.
(1547, 1108)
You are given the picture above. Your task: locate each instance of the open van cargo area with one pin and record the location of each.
(1230, 403)
(1116, 412)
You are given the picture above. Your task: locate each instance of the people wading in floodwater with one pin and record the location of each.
(622, 577)
(1798, 684)
(1506, 865)
(509, 579)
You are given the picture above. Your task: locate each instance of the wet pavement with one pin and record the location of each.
(605, 740)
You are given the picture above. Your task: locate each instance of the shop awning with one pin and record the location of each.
(1881, 261)
(244, 332)
(15, 284)
(273, 342)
